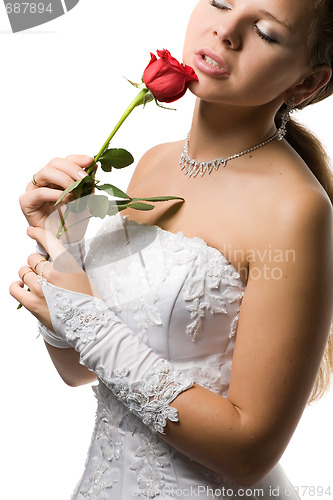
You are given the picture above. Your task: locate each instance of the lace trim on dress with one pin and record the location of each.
(100, 479)
(150, 458)
(202, 286)
(146, 315)
(149, 399)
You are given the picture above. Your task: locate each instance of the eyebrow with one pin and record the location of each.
(268, 14)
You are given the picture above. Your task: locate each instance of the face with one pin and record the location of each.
(248, 52)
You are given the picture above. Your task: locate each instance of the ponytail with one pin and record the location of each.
(314, 155)
(312, 152)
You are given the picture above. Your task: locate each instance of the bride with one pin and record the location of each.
(204, 394)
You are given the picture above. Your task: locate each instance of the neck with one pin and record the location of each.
(221, 130)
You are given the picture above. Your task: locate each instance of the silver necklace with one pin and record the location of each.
(193, 167)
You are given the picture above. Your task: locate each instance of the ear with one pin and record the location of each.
(312, 82)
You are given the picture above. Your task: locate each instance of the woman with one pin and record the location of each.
(233, 311)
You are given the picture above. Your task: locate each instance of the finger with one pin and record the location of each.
(27, 299)
(82, 161)
(58, 172)
(35, 262)
(52, 177)
(17, 291)
(23, 273)
(73, 169)
(35, 198)
(63, 261)
(31, 280)
(48, 241)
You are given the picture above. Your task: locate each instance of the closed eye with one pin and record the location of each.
(218, 5)
(264, 36)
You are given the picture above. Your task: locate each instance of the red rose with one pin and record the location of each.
(167, 78)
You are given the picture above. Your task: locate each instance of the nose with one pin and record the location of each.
(228, 31)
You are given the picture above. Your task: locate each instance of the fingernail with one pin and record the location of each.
(82, 174)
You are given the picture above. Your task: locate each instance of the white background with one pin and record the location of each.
(61, 92)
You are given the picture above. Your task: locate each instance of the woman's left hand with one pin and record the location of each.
(63, 272)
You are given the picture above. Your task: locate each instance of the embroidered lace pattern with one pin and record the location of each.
(102, 473)
(209, 270)
(146, 315)
(99, 481)
(201, 290)
(81, 323)
(149, 399)
(150, 458)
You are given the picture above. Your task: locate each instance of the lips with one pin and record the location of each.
(210, 63)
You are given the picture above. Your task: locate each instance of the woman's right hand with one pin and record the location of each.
(37, 203)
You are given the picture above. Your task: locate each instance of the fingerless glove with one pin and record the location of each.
(142, 380)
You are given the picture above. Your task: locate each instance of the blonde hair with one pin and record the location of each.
(311, 150)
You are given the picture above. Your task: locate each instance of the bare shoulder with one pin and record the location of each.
(151, 160)
(293, 204)
(304, 204)
(307, 219)
(304, 223)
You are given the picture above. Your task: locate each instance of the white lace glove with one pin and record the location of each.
(143, 381)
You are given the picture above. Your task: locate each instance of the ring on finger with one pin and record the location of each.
(34, 182)
(35, 266)
(30, 271)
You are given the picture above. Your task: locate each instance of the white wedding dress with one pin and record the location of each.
(182, 298)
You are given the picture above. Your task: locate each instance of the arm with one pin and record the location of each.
(37, 207)
(67, 363)
(65, 359)
(282, 333)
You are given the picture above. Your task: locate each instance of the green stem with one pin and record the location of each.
(62, 227)
(136, 102)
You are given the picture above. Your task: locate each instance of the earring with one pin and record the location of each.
(285, 118)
